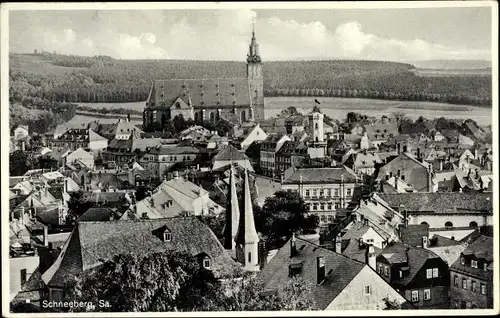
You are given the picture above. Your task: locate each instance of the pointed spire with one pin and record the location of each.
(247, 234)
(232, 213)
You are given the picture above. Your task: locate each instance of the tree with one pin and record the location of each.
(391, 304)
(46, 162)
(18, 163)
(159, 281)
(77, 205)
(283, 214)
(216, 223)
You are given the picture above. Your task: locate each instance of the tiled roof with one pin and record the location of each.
(449, 254)
(96, 214)
(169, 150)
(413, 233)
(201, 92)
(356, 231)
(321, 175)
(230, 153)
(414, 257)
(358, 252)
(339, 271)
(91, 243)
(441, 202)
(481, 248)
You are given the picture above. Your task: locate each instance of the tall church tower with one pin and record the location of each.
(232, 214)
(247, 240)
(255, 78)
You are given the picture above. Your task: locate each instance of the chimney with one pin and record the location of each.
(460, 190)
(12, 217)
(425, 241)
(418, 154)
(128, 117)
(320, 269)
(429, 179)
(293, 246)
(21, 217)
(45, 235)
(65, 189)
(405, 148)
(399, 148)
(338, 244)
(440, 164)
(396, 183)
(365, 221)
(370, 257)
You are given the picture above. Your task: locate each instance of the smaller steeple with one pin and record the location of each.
(232, 213)
(247, 239)
(253, 49)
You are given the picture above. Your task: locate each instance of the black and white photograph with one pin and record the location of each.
(232, 158)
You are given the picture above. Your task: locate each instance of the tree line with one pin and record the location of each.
(103, 79)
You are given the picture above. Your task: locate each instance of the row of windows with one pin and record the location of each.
(432, 273)
(167, 158)
(324, 206)
(473, 263)
(325, 193)
(473, 285)
(415, 295)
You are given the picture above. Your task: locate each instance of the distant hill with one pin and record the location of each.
(452, 64)
(35, 78)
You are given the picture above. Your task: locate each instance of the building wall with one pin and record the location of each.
(243, 163)
(354, 297)
(256, 134)
(459, 220)
(20, 133)
(15, 266)
(466, 297)
(100, 144)
(374, 238)
(83, 156)
(439, 297)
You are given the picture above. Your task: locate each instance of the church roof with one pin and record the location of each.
(202, 92)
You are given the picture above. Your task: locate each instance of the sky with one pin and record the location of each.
(292, 34)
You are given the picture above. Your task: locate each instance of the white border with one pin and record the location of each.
(4, 45)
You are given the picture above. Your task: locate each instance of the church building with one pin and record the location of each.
(236, 100)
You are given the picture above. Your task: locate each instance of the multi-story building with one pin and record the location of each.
(472, 276)
(284, 157)
(160, 158)
(268, 150)
(417, 273)
(326, 190)
(75, 138)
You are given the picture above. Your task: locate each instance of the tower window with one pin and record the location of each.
(207, 262)
(167, 236)
(249, 257)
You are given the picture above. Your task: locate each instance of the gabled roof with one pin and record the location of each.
(482, 249)
(230, 153)
(412, 234)
(169, 150)
(93, 136)
(339, 271)
(96, 214)
(91, 243)
(356, 231)
(413, 257)
(441, 202)
(357, 252)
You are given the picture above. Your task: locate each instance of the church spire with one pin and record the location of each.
(232, 213)
(247, 239)
(253, 55)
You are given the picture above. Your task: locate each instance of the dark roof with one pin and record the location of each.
(321, 175)
(481, 249)
(339, 271)
(202, 92)
(230, 153)
(101, 196)
(412, 234)
(357, 252)
(91, 243)
(169, 150)
(97, 214)
(288, 148)
(441, 202)
(441, 241)
(412, 257)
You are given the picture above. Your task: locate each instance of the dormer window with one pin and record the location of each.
(485, 266)
(462, 260)
(207, 262)
(167, 236)
(473, 263)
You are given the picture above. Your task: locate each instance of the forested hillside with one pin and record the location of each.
(44, 78)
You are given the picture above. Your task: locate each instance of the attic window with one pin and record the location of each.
(177, 105)
(167, 236)
(207, 262)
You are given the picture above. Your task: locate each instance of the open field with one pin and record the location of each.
(79, 118)
(39, 65)
(428, 72)
(338, 108)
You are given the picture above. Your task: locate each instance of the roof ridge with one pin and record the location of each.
(332, 252)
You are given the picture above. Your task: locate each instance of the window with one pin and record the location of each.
(380, 269)
(315, 206)
(308, 193)
(429, 273)
(386, 271)
(249, 257)
(336, 192)
(330, 206)
(483, 289)
(462, 260)
(23, 276)
(349, 192)
(367, 290)
(485, 266)
(329, 218)
(206, 263)
(435, 272)
(329, 192)
(167, 236)
(414, 295)
(473, 264)
(448, 224)
(337, 205)
(322, 207)
(323, 219)
(464, 283)
(314, 192)
(473, 286)
(427, 294)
